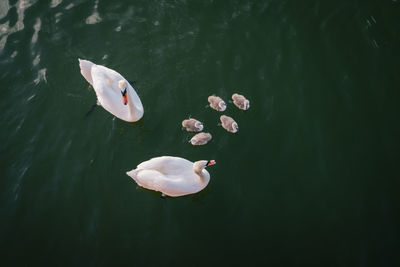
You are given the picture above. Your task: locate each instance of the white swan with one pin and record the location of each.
(113, 92)
(172, 176)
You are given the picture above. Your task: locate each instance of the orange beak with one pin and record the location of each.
(124, 98)
(211, 162)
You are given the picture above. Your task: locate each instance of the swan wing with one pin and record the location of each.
(150, 179)
(137, 103)
(168, 165)
(171, 185)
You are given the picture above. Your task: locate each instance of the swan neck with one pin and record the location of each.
(202, 176)
(199, 170)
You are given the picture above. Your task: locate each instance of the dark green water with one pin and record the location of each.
(310, 179)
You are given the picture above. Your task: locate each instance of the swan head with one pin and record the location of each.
(235, 127)
(246, 105)
(193, 141)
(122, 86)
(222, 105)
(199, 126)
(210, 163)
(198, 166)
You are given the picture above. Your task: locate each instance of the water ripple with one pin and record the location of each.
(22, 5)
(55, 3)
(36, 60)
(69, 6)
(95, 17)
(4, 7)
(30, 98)
(36, 29)
(6, 29)
(41, 76)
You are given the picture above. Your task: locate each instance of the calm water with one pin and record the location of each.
(310, 179)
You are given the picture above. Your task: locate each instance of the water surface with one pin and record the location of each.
(311, 178)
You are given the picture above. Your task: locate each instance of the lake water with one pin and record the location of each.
(310, 179)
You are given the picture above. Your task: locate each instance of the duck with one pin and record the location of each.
(200, 139)
(192, 125)
(113, 91)
(241, 102)
(229, 124)
(216, 103)
(172, 176)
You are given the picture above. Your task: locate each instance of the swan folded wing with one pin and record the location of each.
(168, 165)
(183, 184)
(136, 100)
(169, 185)
(150, 179)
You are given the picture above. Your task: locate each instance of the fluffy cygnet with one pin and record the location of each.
(192, 125)
(229, 124)
(217, 103)
(240, 101)
(200, 139)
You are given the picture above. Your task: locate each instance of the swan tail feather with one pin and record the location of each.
(86, 70)
(132, 174)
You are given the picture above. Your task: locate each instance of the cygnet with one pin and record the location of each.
(240, 101)
(217, 103)
(192, 125)
(229, 124)
(200, 139)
